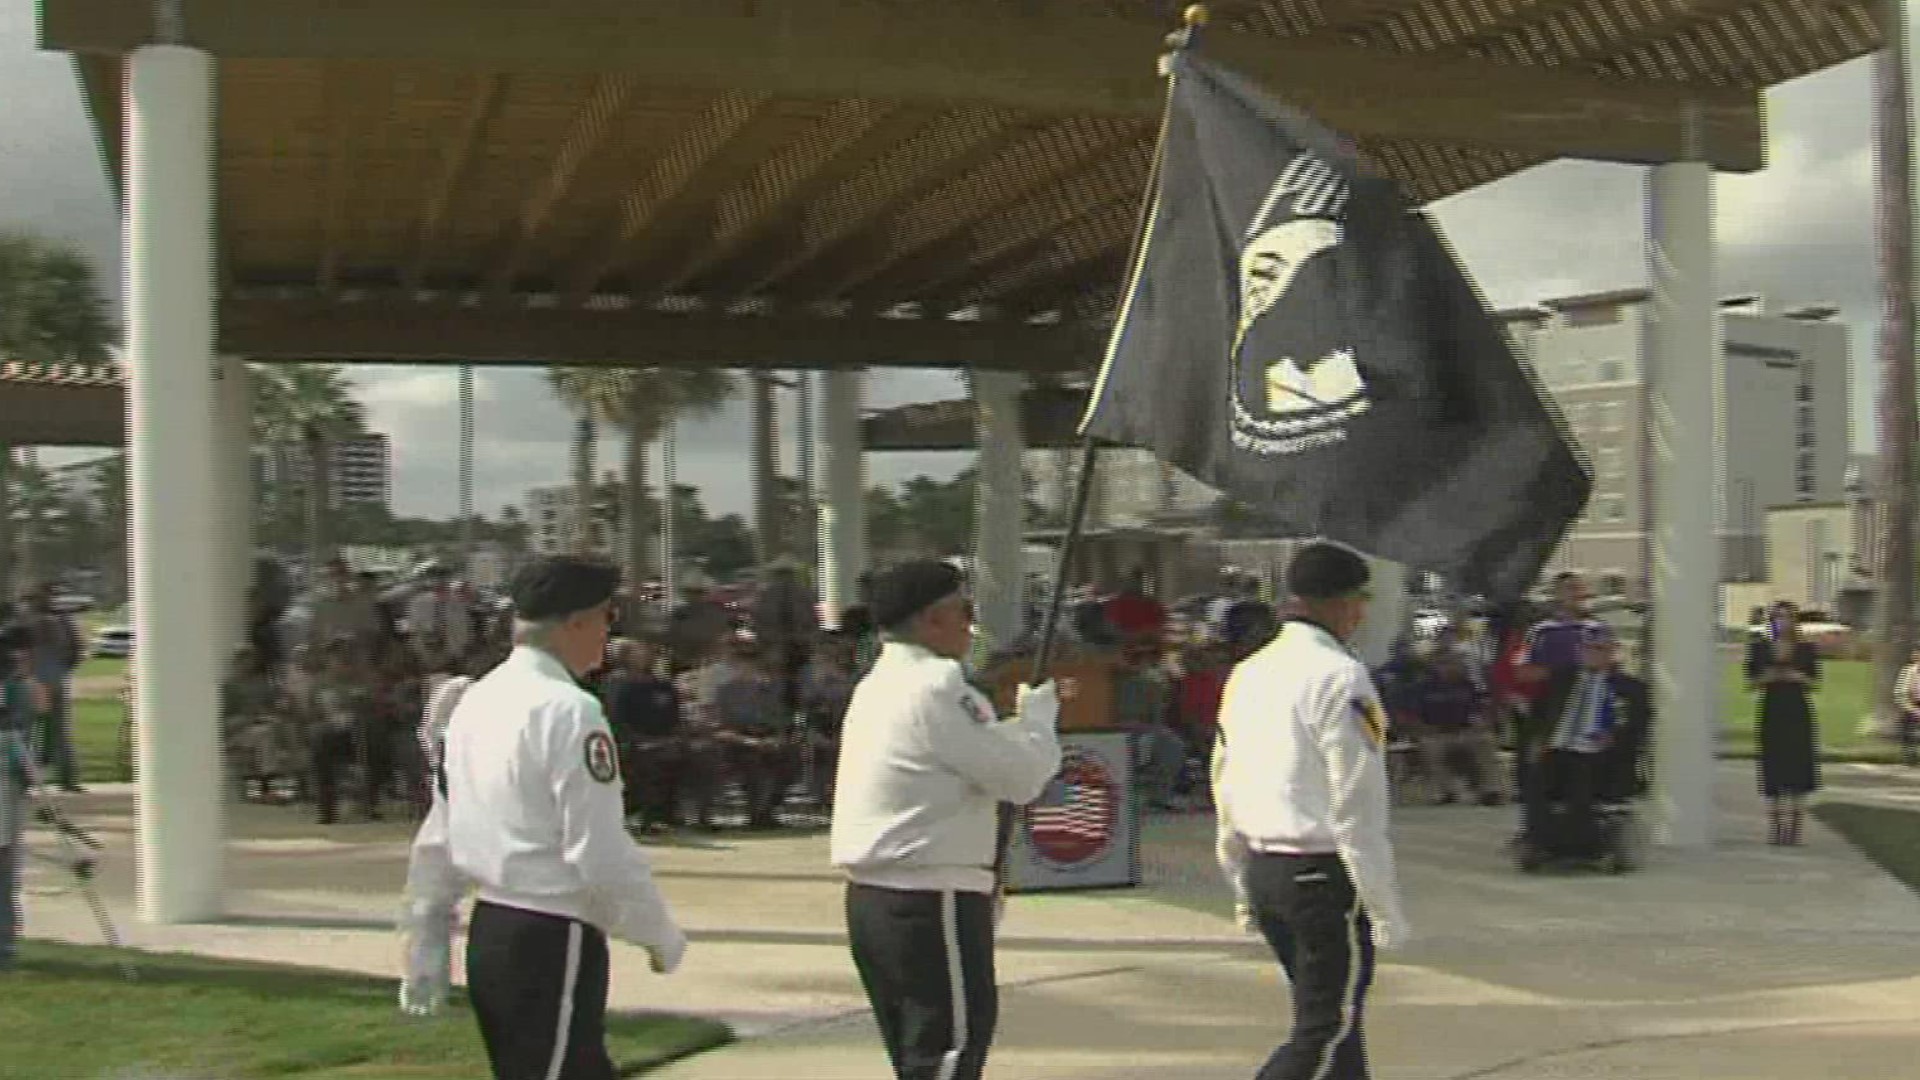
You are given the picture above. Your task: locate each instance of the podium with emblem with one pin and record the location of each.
(1083, 831)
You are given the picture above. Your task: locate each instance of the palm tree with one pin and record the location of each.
(51, 311)
(641, 402)
(311, 406)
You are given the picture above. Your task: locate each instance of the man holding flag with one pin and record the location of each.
(1297, 336)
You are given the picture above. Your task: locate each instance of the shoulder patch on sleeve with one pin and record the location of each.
(1373, 720)
(602, 763)
(972, 706)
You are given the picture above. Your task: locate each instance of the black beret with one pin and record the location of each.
(562, 585)
(908, 589)
(1323, 571)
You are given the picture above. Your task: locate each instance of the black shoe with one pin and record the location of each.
(1446, 800)
(1493, 798)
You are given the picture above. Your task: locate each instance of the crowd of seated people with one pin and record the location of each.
(728, 720)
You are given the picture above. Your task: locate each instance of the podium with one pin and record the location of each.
(1083, 832)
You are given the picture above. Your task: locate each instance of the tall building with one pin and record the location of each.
(360, 469)
(550, 523)
(1780, 422)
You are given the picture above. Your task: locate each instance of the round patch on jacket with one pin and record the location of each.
(602, 763)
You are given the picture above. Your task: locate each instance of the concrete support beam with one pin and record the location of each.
(999, 574)
(843, 513)
(1683, 344)
(177, 538)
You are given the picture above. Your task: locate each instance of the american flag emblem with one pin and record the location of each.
(1074, 820)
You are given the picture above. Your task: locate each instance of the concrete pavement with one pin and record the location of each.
(1748, 962)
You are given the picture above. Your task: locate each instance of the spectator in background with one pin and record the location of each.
(1143, 698)
(338, 734)
(1906, 710)
(1452, 707)
(695, 629)
(346, 607)
(786, 622)
(439, 619)
(55, 653)
(825, 689)
(754, 733)
(1783, 669)
(644, 711)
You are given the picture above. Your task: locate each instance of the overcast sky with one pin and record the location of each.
(1799, 232)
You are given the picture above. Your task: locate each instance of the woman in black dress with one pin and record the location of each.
(1784, 670)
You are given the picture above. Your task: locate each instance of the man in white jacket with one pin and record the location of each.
(1301, 789)
(923, 764)
(528, 808)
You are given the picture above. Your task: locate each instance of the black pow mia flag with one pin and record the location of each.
(1299, 337)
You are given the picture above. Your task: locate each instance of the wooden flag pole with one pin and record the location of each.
(1186, 37)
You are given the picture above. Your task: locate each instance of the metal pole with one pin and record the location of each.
(669, 563)
(803, 435)
(466, 467)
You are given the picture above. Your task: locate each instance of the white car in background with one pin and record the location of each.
(114, 642)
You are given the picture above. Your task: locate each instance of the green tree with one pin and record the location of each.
(51, 311)
(641, 402)
(307, 406)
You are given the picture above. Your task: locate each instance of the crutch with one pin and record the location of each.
(77, 844)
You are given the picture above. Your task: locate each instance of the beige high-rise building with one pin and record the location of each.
(1780, 425)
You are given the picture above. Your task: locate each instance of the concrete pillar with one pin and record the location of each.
(177, 539)
(1683, 346)
(233, 472)
(999, 576)
(843, 516)
(1386, 616)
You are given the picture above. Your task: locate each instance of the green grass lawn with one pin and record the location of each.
(66, 1012)
(1888, 836)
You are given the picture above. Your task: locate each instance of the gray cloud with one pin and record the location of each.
(1800, 231)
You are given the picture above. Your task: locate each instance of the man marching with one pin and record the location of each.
(1301, 789)
(528, 807)
(923, 761)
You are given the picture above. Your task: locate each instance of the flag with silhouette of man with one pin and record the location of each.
(1297, 335)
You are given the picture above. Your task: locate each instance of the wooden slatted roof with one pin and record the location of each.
(600, 180)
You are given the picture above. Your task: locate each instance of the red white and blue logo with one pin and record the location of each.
(1073, 823)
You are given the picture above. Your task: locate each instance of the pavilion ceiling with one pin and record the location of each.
(822, 163)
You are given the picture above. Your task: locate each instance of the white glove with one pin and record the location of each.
(665, 956)
(427, 931)
(1243, 918)
(1391, 934)
(1039, 704)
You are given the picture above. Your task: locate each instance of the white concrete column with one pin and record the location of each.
(999, 576)
(843, 515)
(1683, 345)
(1386, 616)
(177, 538)
(233, 472)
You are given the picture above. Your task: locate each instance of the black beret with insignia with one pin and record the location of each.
(562, 585)
(910, 588)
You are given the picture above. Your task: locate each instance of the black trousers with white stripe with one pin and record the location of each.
(926, 960)
(539, 989)
(1311, 916)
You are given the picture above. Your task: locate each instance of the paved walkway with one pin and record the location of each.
(1744, 964)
